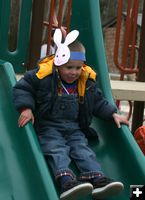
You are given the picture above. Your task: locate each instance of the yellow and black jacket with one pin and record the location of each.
(38, 89)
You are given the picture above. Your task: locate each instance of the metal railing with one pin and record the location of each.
(126, 58)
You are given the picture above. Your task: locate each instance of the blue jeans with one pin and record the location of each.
(62, 140)
(62, 146)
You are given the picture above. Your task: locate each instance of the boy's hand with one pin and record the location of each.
(25, 116)
(120, 119)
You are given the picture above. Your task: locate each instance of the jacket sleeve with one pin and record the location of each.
(24, 91)
(102, 107)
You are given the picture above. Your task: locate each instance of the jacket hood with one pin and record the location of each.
(46, 67)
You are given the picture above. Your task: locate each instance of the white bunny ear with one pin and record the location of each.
(72, 36)
(57, 37)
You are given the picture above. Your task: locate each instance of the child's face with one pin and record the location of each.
(70, 71)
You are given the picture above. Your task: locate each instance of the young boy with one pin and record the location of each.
(60, 97)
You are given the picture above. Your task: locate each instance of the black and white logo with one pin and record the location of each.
(137, 192)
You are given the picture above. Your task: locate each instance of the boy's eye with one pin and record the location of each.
(71, 67)
(78, 68)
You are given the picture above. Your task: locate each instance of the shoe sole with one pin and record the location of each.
(77, 191)
(108, 190)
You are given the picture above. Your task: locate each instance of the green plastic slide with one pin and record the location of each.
(24, 174)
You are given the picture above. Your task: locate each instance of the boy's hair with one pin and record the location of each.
(77, 46)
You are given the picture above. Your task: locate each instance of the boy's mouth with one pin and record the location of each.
(71, 79)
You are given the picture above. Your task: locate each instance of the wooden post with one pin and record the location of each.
(139, 106)
(36, 33)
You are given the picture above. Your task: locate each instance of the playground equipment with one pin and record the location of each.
(18, 56)
(54, 23)
(130, 60)
(125, 59)
(127, 64)
(23, 172)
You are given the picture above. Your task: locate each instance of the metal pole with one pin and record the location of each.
(36, 33)
(139, 106)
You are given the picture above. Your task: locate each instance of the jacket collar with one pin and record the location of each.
(46, 68)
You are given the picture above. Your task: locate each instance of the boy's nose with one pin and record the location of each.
(73, 71)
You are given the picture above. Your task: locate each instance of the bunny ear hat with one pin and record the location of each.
(63, 53)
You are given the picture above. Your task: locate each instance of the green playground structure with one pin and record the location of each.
(24, 174)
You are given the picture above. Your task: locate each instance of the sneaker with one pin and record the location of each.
(106, 187)
(74, 189)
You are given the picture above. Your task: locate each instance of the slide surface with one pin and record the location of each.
(23, 171)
